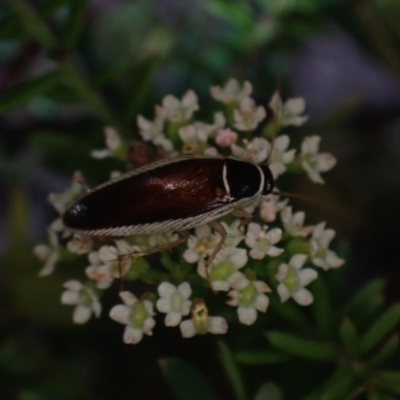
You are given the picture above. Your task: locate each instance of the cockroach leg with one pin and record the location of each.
(244, 216)
(184, 235)
(218, 227)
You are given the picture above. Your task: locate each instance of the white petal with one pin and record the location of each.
(128, 298)
(295, 106)
(277, 168)
(148, 326)
(173, 319)
(96, 308)
(325, 162)
(310, 145)
(261, 286)
(132, 335)
(120, 313)
(318, 230)
(185, 309)
(275, 235)
(303, 297)
(333, 260)
(220, 286)
(283, 292)
(306, 276)
(282, 272)
(233, 298)
(276, 103)
(319, 262)
(187, 328)
(191, 256)
(100, 154)
(258, 254)
(164, 305)
(297, 261)
(262, 302)
(42, 251)
(75, 286)
(217, 325)
(274, 251)
(166, 289)
(185, 290)
(288, 156)
(50, 264)
(247, 315)
(81, 314)
(326, 237)
(70, 297)
(239, 258)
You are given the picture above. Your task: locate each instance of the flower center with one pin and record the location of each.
(291, 280)
(248, 294)
(177, 301)
(138, 315)
(203, 245)
(222, 270)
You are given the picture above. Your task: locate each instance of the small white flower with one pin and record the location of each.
(233, 235)
(232, 92)
(174, 301)
(201, 323)
(61, 201)
(84, 298)
(50, 254)
(224, 268)
(271, 206)
(80, 244)
(280, 156)
(136, 315)
(293, 278)
(255, 151)
(314, 163)
(290, 112)
(195, 138)
(154, 132)
(249, 297)
(200, 245)
(262, 241)
(180, 111)
(293, 224)
(161, 239)
(113, 143)
(104, 264)
(226, 137)
(249, 115)
(321, 256)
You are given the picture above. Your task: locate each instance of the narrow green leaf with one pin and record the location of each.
(269, 391)
(341, 388)
(379, 395)
(232, 371)
(371, 290)
(259, 357)
(389, 380)
(74, 25)
(349, 337)
(289, 312)
(380, 328)
(186, 382)
(386, 350)
(33, 23)
(24, 92)
(322, 307)
(332, 380)
(302, 347)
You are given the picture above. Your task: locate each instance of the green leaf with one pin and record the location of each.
(290, 312)
(259, 357)
(378, 395)
(269, 391)
(381, 327)
(302, 347)
(74, 25)
(349, 337)
(371, 290)
(322, 307)
(21, 94)
(186, 382)
(388, 380)
(232, 371)
(340, 388)
(386, 350)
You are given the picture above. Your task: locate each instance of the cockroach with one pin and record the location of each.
(171, 196)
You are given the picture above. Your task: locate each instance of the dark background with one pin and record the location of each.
(113, 60)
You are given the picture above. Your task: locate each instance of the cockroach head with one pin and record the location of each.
(268, 180)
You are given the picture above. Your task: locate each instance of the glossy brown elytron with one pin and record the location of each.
(169, 196)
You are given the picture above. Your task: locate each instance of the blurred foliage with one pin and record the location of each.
(68, 67)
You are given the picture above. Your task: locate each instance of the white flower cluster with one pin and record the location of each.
(276, 234)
